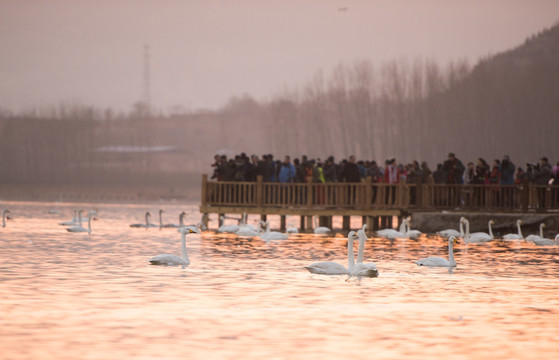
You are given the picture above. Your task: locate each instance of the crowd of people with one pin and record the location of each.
(451, 171)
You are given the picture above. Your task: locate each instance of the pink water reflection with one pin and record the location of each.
(68, 296)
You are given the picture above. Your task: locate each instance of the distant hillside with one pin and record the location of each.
(509, 103)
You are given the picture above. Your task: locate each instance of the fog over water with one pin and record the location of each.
(202, 53)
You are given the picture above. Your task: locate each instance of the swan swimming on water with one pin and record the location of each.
(477, 237)
(534, 238)
(436, 261)
(272, 235)
(227, 228)
(363, 269)
(4, 215)
(146, 225)
(518, 236)
(541, 241)
(174, 260)
(451, 232)
(80, 228)
(333, 268)
(411, 234)
(72, 222)
(320, 229)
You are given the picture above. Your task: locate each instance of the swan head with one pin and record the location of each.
(491, 222)
(189, 230)
(364, 228)
(148, 213)
(7, 211)
(519, 221)
(453, 240)
(352, 235)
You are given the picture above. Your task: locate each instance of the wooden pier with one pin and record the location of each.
(376, 203)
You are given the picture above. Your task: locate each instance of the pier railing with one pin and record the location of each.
(368, 195)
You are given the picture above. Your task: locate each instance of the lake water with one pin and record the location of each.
(78, 296)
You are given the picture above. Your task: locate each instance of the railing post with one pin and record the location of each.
(309, 193)
(259, 185)
(204, 189)
(368, 192)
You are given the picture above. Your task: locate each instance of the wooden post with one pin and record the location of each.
(302, 223)
(205, 220)
(282, 223)
(310, 225)
(309, 193)
(346, 223)
(204, 189)
(220, 217)
(259, 180)
(370, 225)
(525, 194)
(368, 192)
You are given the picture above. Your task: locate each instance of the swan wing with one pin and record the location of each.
(512, 237)
(433, 261)
(246, 232)
(413, 234)
(533, 238)
(76, 229)
(365, 269)
(322, 230)
(274, 235)
(327, 268)
(168, 260)
(228, 228)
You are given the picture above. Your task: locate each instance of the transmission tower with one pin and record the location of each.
(146, 82)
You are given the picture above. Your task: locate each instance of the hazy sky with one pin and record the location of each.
(205, 51)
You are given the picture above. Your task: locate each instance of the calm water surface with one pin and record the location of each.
(77, 296)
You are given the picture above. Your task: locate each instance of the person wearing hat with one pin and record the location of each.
(542, 175)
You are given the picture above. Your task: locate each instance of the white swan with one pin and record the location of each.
(320, 229)
(173, 260)
(179, 225)
(546, 242)
(477, 237)
(72, 222)
(518, 236)
(247, 230)
(435, 261)
(146, 225)
(80, 228)
(533, 238)
(333, 268)
(272, 235)
(363, 269)
(451, 232)
(410, 234)
(4, 215)
(292, 229)
(227, 228)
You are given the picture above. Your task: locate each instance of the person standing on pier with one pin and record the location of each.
(455, 171)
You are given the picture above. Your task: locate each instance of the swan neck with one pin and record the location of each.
(541, 230)
(519, 229)
(490, 230)
(461, 229)
(451, 260)
(361, 247)
(147, 219)
(183, 244)
(350, 254)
